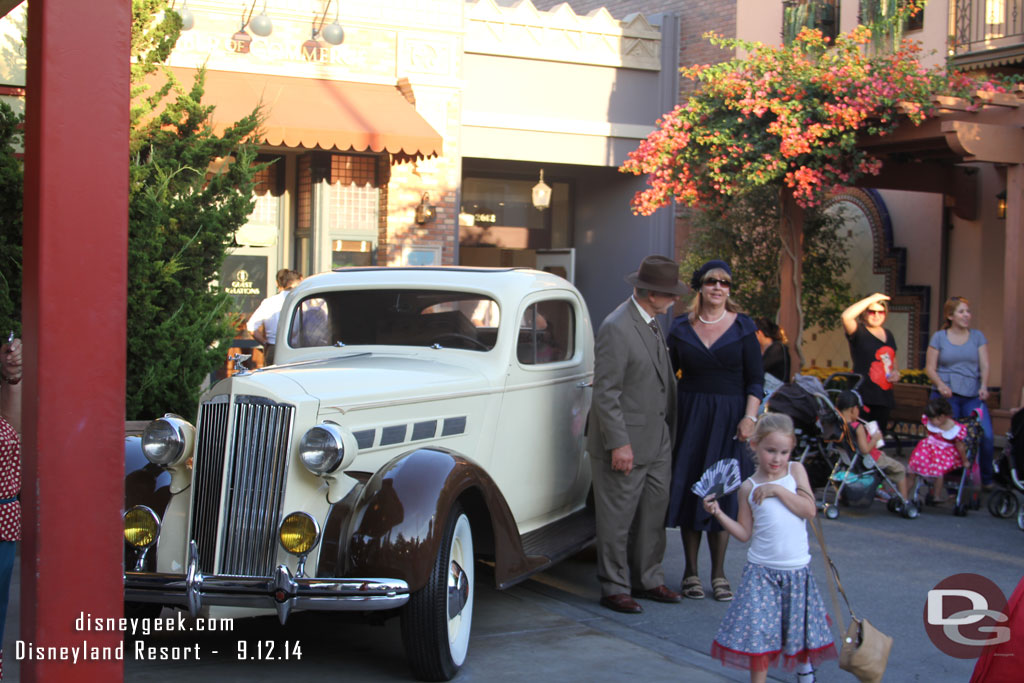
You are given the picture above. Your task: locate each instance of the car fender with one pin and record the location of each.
(397, 519)
(144, 483)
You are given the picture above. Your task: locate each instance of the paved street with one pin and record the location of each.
(552, 629)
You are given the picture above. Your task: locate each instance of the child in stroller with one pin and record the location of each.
(948, 446)
(866, 467)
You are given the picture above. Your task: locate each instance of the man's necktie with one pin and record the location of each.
(654, 326)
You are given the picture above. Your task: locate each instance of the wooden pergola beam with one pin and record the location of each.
(985, 142)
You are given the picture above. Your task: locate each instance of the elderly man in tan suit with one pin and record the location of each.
(630, 436)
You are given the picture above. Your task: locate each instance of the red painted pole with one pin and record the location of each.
(75, 264)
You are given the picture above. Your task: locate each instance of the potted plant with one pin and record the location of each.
(911, 395)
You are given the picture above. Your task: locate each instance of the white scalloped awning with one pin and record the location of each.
(319, 114)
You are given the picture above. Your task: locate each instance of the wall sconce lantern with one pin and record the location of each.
(1001, 205)
(333, 34)
(425, 212)
(187, 20)
(261, 26)
(541, 193)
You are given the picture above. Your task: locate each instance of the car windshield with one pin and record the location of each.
(404, 317)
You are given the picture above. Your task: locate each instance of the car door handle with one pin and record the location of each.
(585, 384)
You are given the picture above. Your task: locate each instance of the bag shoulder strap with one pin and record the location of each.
(833, 582)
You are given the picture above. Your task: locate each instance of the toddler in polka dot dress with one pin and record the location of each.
(943, 449)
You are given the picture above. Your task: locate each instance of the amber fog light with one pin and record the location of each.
(141, 527)
(299, 533)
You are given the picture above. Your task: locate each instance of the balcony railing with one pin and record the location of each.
(987, 31)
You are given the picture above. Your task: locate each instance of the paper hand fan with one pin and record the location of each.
(719, 480)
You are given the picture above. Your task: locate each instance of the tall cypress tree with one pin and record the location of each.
(11, 182)
(182, 216)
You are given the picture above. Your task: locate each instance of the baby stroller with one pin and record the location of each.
(856, 480)
(1008, 473)
(817, 424)
(966, 495)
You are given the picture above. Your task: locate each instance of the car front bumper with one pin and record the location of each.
(283, 591)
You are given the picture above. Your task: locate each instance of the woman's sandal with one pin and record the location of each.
(721, 590)
(692, 588)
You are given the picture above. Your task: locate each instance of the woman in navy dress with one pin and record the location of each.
(720, 390)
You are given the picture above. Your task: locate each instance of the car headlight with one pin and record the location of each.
(141, 527)
(166, 439)
(299, 533)
(325, 447)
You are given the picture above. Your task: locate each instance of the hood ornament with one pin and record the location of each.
(239, 360)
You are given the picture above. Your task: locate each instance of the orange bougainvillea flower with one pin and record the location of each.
(787, 116)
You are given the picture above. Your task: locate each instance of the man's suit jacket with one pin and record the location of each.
(634, 388)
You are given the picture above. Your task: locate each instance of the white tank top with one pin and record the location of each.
(779, 539)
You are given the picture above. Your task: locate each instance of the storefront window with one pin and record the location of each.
(353, 204)
(500, 212)
(339, 206)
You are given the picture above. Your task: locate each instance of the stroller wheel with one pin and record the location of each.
(1020, 519)
(1003, 504)
(911, 511)
(960, 509)
(831, 511)
(895, 506)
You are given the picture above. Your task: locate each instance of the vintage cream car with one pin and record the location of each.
(418, 419)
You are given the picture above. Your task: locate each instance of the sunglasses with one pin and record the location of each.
(725, 284)
(880, 311)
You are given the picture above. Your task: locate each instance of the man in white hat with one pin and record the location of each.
(630, 434)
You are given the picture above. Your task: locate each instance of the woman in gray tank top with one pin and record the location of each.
(957, 364)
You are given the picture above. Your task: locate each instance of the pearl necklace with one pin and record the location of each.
(712, 322)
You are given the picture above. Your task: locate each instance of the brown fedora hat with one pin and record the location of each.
(659, 274)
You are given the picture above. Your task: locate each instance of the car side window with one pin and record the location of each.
(310, 324)
(547, 333)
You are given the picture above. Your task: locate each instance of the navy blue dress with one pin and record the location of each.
(713, 394)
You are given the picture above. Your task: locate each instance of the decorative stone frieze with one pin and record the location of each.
(561, 35)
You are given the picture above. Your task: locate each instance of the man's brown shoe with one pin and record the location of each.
(661, 594)
(620, 602)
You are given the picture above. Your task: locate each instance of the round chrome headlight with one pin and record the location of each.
(299, 533)
(166, 439)
(322, 448)
(141, 527)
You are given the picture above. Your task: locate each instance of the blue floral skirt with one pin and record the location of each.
(778, 614)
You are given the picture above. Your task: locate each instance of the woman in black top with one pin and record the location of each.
(873, 352)
(774, 349)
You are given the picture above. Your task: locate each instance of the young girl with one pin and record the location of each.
(778, 610)
(943, 449)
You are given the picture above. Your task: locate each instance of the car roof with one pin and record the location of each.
(501, 283)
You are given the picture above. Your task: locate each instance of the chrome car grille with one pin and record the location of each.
(239, 474)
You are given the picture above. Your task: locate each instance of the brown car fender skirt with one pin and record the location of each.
(398, 517)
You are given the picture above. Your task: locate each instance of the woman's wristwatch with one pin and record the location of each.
(752, 418)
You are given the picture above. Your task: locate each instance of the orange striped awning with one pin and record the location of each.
(319, 114)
